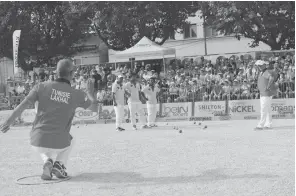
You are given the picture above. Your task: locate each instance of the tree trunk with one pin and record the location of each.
(275, 47)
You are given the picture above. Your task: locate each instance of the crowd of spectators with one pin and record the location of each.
(233, 78)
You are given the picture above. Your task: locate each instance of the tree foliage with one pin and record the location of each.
(270, 22)
(49, 29)
(121, 24)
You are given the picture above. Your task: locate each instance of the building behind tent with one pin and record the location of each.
(6, 71)
(90, 51)
(191, 42)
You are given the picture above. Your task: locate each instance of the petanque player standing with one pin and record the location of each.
(151, 93)
(267, 88)
(50, 135)
(118, 101)
(133, 89)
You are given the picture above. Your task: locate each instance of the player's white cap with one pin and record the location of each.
(120, 76)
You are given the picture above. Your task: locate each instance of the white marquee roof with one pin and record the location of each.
(145, 49)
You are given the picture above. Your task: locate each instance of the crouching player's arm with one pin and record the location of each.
(30, 99)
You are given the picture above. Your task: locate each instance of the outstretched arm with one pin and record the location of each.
(30, 99)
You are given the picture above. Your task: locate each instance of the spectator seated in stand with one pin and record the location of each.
(233, 78)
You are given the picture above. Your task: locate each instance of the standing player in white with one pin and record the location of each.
(118, 101)
(151, 92)
(267, 88)
(133, 90)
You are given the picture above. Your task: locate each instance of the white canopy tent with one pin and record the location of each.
(145, 49)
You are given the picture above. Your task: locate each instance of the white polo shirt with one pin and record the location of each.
(134, 91)
(151, 94)
(119, 93)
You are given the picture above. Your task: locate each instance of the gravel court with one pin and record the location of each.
(228, 158)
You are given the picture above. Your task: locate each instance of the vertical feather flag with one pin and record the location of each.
(16, 41)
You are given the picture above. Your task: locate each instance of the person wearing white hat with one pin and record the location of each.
(151, 93)
(118, 101)
(267, 88)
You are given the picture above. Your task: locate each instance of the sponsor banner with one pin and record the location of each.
(145, 111)
(85, 115)
(28, 116)
(205, 118)
(283, 107)
(107, 112)
(176, 111)
(252, 117)
(16, 40)
(244, 108)
(171, 119)
(283, 116)
(250, 109)
(204, 111)
(109, 121)
(209, 109)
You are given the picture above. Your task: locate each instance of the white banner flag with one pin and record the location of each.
(16, 40)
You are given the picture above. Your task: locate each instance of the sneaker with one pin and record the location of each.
(120, 129)
(135, 127)
(258, 129)
(145, 126)
(154, 125)
(59, 170)
(47, 170)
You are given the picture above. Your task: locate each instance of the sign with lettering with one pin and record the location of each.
(209, 108)
(60, 96)
(107, 112)
(177, 111)
(250, 109)
(81, 114)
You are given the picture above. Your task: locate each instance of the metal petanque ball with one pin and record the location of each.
(180, 131)
(205, 126)
(199, 123)
(194, 123)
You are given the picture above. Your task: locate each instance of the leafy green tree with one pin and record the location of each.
(270, 22)
(121, 24)
(49, 29)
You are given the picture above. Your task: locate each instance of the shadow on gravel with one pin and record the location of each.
(135, 179)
